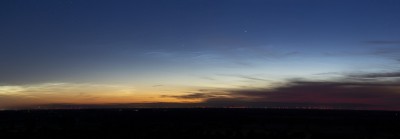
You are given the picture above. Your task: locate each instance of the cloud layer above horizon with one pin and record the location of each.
(378, 91)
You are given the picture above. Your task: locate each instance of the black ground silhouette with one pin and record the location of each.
(200, 123)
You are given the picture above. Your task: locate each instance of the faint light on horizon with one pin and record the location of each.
(10, 89)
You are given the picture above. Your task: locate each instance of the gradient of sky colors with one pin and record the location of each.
(217, 53)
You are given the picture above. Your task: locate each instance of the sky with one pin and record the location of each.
(342, 54)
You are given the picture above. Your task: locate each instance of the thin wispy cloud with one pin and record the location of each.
(247, 77)
(378, 75)
(383, 42)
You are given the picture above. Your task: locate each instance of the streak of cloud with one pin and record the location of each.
(378, 75)
(248, 77)
(381, 42)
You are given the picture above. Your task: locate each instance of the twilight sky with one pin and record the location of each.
(217, 53)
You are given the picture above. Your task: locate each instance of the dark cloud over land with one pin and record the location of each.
(347, 94)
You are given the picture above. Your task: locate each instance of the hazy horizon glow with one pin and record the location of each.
(281, 53)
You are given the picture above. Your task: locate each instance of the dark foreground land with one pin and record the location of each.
(200, 123)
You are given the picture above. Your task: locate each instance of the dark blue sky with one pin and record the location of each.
(187, 45)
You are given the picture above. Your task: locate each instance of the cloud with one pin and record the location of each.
(378, 75)
(159, 53)
(198, 95)
(341, 94)
(247, 77)
(380, 42)
(158, 85)
(63, 93)
(295, 93)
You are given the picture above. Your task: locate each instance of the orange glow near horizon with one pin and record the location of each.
(66, 93)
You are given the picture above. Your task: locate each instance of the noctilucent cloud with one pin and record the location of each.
(217, 53)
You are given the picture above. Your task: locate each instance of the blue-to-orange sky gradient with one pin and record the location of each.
(339, 54)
